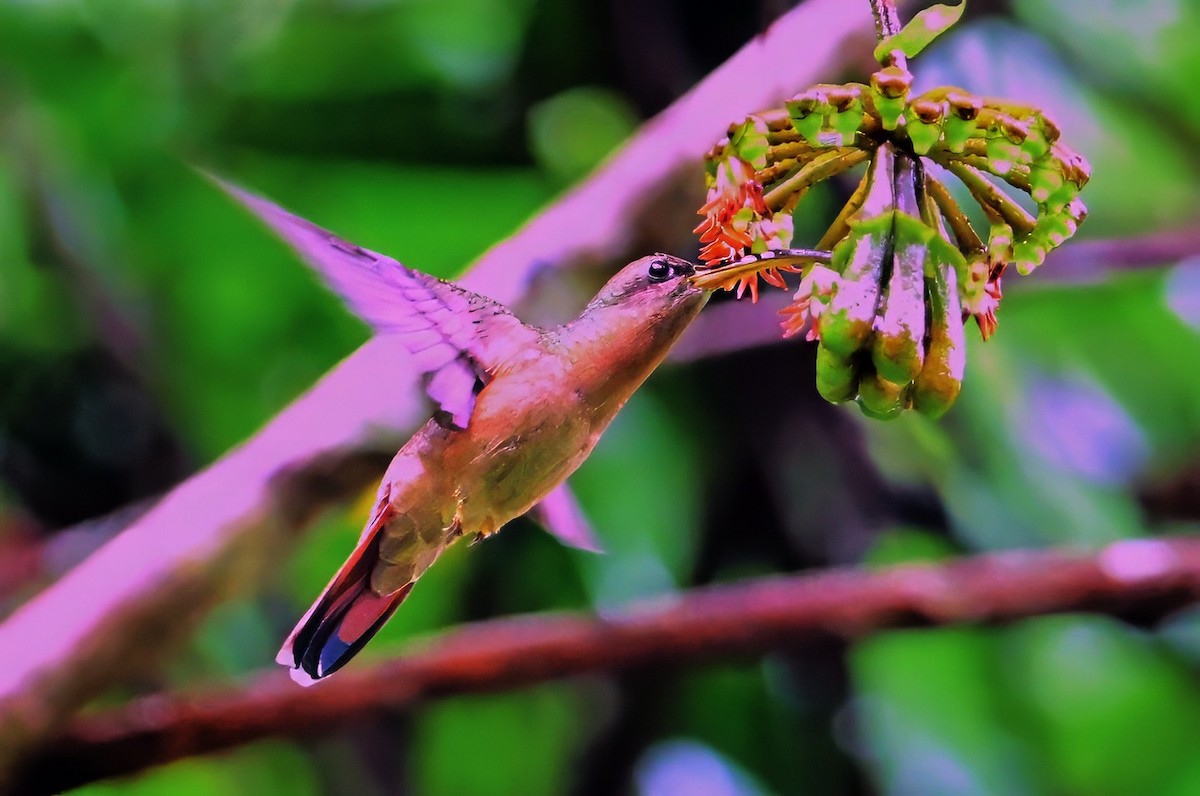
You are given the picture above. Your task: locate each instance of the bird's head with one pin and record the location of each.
(658, 288)
(628, 328)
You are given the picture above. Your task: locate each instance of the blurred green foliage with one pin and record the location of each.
(429, 130)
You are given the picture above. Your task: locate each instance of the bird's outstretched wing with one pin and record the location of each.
(457, 338)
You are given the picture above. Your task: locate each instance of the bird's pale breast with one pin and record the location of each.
(529, 430)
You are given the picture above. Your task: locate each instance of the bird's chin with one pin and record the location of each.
(687, 290)
(688, 300)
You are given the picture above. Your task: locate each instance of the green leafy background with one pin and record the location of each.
(147, 325)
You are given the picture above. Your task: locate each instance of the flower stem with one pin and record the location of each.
(965, 235)
(840, 227)
(993, 198)
(816, 170)
(887, 23)
(790, 149)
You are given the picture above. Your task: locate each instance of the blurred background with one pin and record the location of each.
(147, 325)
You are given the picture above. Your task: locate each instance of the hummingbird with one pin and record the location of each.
(517, 409)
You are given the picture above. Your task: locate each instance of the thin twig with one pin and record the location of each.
(1140, 579)
(816, 170)
(964, 234)
(1094, 259)
(991, 197)
(887, 23)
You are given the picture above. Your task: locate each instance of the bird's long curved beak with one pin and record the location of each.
(720, 276)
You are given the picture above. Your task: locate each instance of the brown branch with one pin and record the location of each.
(1141, 579)
(1094, 259)
(887, 18)
(887, 23)
(220, 528)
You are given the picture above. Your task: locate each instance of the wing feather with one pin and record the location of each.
(458, 339)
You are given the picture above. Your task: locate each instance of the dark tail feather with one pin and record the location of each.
(340, 623)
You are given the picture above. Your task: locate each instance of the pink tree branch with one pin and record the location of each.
(218, 529)
(1142, 579)
(1087, 260)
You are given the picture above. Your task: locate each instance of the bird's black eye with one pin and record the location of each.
(658, 271)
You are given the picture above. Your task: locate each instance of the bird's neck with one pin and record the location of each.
(613, 349)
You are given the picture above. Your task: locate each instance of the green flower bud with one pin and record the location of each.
(1053, 229)
(846, 117)
(1028, 254)
(749, 142)
(837, 376)
(1005, 139)
(962, 120)
(923, 120)
(807, 112)
(973, 278)
(1043, 132)
(1000, 242)
(1060, 198)
(889, 90)
(1045, 179)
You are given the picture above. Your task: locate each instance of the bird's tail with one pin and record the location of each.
(342, 620)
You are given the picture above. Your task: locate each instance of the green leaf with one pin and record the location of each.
(921, 30)
(446, 759)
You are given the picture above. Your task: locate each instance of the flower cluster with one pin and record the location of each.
(737, 220)
(906, 265)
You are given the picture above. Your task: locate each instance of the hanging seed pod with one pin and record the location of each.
(897, 349)
(878, 397)
(848, 323)
(861, 259)
(837, 376)
(937, 385)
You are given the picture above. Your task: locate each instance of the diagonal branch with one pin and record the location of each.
(1142, 580)
(218, 530)
(1098, 258)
